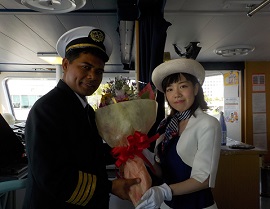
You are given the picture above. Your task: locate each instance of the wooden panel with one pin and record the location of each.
(256, 68)
(238, 182)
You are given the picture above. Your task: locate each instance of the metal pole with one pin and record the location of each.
(58, 72)
(257, 8)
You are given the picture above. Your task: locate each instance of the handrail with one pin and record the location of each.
(7, 186)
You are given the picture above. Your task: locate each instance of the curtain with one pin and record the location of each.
(152, 38)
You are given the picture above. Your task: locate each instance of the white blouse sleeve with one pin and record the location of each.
(199, 147)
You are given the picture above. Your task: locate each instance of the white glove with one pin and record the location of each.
(154, 197)
(149, 155)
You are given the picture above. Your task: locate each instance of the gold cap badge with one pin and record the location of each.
(97, 35)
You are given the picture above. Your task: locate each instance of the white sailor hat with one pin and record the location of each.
(84, 37)
(181, 65)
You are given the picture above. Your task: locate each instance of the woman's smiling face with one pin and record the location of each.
(181, 94)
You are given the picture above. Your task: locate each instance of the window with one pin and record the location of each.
(24, 92)
(213, 89)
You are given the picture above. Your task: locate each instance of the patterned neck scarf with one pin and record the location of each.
(171, 127)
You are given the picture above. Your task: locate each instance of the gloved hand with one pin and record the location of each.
(154, 197)
(149, 155)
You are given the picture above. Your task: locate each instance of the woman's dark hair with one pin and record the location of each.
(199, 98)
(73, 54)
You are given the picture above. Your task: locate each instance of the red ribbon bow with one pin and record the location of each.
(137, 143)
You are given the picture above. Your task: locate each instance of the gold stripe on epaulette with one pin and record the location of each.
(87, 189)
(82, 189)
(83, 46)
(75, 193)
(93, 187)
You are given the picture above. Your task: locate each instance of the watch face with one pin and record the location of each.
(157, 159)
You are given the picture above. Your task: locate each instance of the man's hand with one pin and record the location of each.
(120, 187)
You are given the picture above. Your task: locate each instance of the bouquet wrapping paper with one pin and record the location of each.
(135, 168)
(124, 127)
(116, 122)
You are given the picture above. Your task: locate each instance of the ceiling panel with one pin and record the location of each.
(184, 29)
(48, 32)
(9, 57)
(12, 27)
(102, 4)
(11, 4)
(213, 23)
(13, 51)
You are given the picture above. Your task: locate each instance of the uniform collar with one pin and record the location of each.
(82, 100)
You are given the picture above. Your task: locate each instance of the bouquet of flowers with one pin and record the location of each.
(123, 119)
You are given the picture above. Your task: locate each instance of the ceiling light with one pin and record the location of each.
(51, 58)
(53, 6)
(230, 51)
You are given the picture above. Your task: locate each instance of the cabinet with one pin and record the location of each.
(238, 179)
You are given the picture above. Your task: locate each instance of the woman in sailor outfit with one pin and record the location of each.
(188, 148)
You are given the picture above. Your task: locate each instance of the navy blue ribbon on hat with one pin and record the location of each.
(172, 129)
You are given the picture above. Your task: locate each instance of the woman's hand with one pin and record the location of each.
(154, 197)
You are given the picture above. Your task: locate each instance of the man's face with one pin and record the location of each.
(84, 74)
